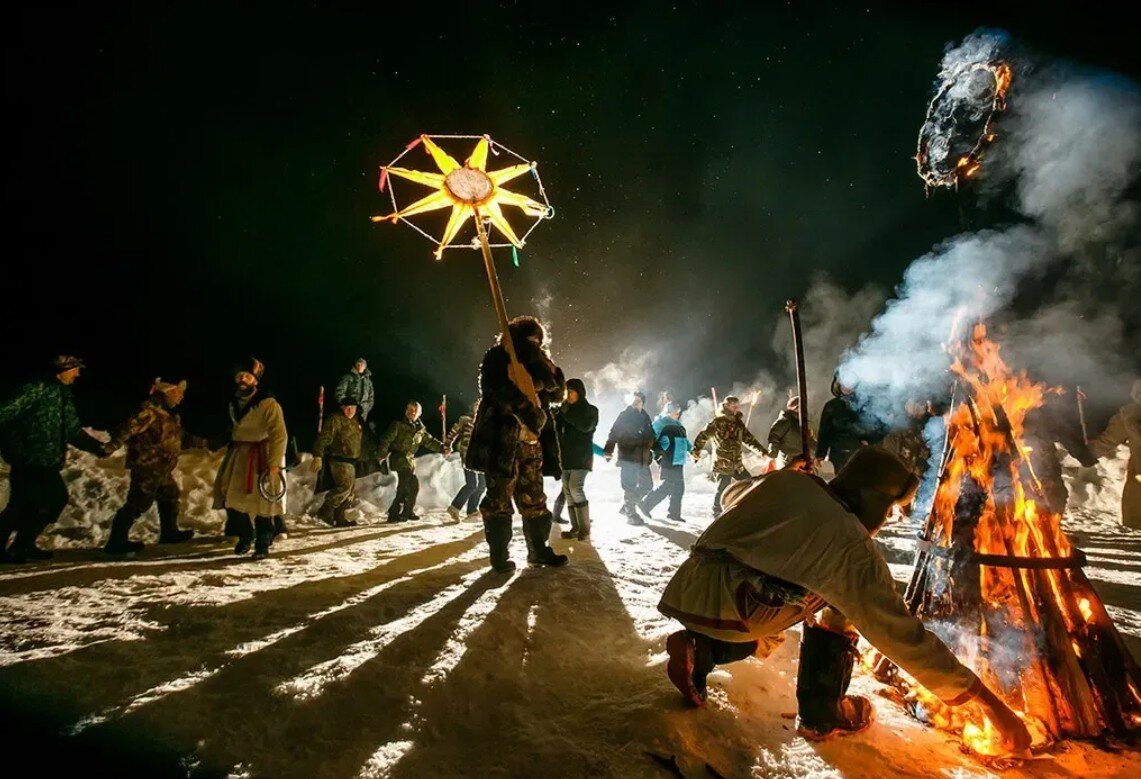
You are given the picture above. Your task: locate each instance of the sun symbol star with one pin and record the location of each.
(469, 189)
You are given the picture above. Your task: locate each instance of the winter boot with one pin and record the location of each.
(497, 531)
(682, 650)
(169, 532)
(279, 528)
(234, 524)
(538, 533)
(583, 511)
(632, 515)
(557, 512)
(263, 537)
(454, 514)
(339, 519)
(826, 661)
(118, 542)
(574, 522)
(409, 516)
(244, 529)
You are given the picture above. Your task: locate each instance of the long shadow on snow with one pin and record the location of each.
(69, 687)
(97, 566)
(237, 717)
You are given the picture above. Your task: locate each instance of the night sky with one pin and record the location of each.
(189, 185)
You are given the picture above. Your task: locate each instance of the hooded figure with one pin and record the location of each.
(514, 444)
(154, 439)
(1125, 428)
(787, 544)
(575, 422)
(842, 427)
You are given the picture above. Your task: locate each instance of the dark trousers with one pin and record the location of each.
(407, 489)
(146, 489)
(636, 482)
(723, 482)
(471, 492)
(708, 653)
(672, 487)
(37, 496)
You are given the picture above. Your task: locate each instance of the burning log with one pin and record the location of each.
(997, 579)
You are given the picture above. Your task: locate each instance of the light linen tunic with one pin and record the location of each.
(260, 428)
(791, 526)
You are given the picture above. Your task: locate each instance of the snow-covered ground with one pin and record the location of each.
(382, 651)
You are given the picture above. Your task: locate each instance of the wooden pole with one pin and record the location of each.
(320, 408)
(519, 374)
(801, 383)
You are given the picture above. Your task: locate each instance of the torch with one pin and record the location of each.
(793, 310)
(320, 408)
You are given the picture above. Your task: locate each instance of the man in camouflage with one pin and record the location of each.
(474, 483)
(36, 426)
(339, 443)
(400, 443)
(729, 434)
(154, 439)
(357, 383)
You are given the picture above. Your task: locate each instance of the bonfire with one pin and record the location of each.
(998, 580)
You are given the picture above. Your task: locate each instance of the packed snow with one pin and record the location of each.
(391, 651)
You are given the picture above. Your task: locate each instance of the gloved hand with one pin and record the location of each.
(316, 463)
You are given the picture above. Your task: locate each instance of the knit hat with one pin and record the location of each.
(729, 400)
(67, 362)
(578, 386)
(165, 386)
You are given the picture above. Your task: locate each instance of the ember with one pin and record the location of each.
(997, 579)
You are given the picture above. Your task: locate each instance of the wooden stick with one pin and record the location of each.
(518, 373)
(793, 310)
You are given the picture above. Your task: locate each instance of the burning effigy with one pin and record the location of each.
(960, 119)
(997, 579)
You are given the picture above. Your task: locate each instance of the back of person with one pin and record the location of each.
(673, 442)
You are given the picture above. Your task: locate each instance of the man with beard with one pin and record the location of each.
(36, 427)
(250, 481)
(729, 435)
(633, 435)
(788, 544)
(514, 444)
(154, 439)
(400, 443)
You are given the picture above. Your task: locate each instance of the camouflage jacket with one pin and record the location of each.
(460, 435)
(729, 434)
(154, 437)
(359, 386)
(908, 445)
(339, 437)
(38, 423)
(402, 440)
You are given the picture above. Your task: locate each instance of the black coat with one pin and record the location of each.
(843, 430)
(633, 434)
(495, 432)
(575, 424)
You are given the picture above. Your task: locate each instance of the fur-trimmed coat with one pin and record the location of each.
(502, 406)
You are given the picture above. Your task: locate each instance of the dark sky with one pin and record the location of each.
(190, 183)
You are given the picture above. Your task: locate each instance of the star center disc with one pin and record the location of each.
(469, 185)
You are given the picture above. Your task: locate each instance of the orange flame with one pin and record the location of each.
(1084, 607)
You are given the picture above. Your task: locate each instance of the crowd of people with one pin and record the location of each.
(784, 544)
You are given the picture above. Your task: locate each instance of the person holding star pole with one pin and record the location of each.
(513, 441)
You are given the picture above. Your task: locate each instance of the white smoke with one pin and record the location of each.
(1069, 146)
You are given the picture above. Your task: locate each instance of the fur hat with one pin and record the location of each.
(253, 366)
(67, 362)
(349, 400)
(165, 386)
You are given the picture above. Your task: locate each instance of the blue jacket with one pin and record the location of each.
(671, 441)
